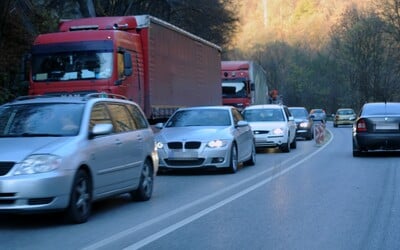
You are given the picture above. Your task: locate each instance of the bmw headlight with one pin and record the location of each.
(36, 164)
(159, 145)
(278, 131)
(217, 143)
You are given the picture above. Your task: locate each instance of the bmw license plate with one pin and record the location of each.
(182, 155)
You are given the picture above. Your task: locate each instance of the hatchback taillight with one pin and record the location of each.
(361, 126)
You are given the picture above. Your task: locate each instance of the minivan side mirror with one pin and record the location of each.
(101, 129)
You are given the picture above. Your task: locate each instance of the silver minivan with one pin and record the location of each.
(64, 153)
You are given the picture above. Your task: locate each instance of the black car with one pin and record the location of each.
(303, 121)
(377, 128)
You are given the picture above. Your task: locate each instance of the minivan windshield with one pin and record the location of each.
(33, 120)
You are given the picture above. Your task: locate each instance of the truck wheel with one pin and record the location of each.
(145, 188)
(80, 201)
(233, 165)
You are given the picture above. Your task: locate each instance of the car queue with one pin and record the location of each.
(64, 153)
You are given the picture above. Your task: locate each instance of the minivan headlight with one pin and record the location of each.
(36, 164)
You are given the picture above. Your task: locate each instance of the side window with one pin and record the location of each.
(122, 118)
(99, 115)
(138, 117)
(237, 116)
(120, 63)
(287, 113)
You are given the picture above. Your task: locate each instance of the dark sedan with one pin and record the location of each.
(304, 123)
(377, 128)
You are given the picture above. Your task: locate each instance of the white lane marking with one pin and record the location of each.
(198, 215)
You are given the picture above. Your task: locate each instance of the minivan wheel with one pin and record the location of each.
(80, 202)
(145, 188)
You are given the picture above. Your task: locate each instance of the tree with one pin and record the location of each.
(364, 53)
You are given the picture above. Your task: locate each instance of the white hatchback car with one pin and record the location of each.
(63, 153)
(272, 125)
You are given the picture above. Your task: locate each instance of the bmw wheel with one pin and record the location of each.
(233, 166)
(252, 160)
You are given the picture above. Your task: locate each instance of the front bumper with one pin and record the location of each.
(265, 141)
(202, 157)
(46, 191)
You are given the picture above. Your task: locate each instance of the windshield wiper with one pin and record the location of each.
(40, 135)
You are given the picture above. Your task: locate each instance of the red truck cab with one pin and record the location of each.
(159, 66)
(95, 57)
(243, 84)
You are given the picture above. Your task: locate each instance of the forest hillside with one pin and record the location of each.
(296, 22)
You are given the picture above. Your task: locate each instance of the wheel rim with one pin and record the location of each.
(147, 183)
(234, 158)
(82, 195)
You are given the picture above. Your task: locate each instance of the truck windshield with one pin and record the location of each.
(233, 89)
(71, 65)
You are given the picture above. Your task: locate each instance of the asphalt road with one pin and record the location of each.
(315, 197)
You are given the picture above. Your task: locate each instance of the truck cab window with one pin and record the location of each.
(72, 65)
(234, 89)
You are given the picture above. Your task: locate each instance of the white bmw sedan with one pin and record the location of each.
(205, 137)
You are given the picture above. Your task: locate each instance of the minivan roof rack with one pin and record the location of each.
(84, 97)
(104, 95)
(27, 97)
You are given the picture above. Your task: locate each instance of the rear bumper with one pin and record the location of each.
(367, 141)
(343, 122)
